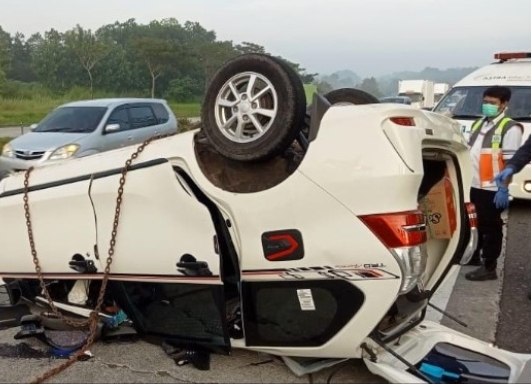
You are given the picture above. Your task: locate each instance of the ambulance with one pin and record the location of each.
(463, 102)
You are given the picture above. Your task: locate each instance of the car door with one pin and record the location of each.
(122, 136)
(165, 253)
(62, 221)
(143, 121)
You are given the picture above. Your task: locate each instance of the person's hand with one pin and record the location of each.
(503, 175)
(501, 199)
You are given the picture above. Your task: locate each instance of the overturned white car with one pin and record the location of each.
(236, 236)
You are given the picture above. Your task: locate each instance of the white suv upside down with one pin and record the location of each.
(236, 236)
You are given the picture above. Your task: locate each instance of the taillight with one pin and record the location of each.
(472, 215)
(397, 230)
(404, 234)
(402, 120)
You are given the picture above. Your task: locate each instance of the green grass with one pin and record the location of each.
(26, 111)
(309, 89)
(15, 112)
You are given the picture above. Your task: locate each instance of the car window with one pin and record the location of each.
(465, 102)
(119, 116)
(141, 116)
(161, 113)
(72, 120)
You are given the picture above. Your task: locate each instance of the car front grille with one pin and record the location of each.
(29, 155)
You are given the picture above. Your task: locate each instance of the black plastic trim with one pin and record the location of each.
(85, 177)
(349, 299)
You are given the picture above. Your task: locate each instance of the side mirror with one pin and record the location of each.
(111, 128)
(33, 126)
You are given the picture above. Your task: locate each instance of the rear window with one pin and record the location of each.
(161, 113)
(465, 103)
(72, 120)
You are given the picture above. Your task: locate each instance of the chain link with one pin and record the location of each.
(92, 321)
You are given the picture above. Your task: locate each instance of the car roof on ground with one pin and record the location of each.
(107, 102)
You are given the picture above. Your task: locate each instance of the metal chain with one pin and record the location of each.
(92, 321)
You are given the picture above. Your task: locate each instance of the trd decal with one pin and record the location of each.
(350, 274)
(284, 245)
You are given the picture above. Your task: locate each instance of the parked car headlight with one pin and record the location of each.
(412, 261)
(64, 152)
(7, 151)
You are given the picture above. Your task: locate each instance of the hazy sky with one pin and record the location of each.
(371, 37)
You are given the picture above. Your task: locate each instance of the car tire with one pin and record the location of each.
(284, 100)
(350, 96)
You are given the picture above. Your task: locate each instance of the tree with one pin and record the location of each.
(20, 68)
(5, 45)
(178, 58)
(323, 87)
(247, 47)
(370, 85)
(156, 54)
(88, 49)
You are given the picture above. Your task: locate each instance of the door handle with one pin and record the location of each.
(130, 138)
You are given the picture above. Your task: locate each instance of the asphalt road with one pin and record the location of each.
(514, 325)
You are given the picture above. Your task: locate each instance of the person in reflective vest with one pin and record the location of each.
(493, 140)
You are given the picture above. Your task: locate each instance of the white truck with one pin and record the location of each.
(463, 102)
(421, 92)
(439, 90)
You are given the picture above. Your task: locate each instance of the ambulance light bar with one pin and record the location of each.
(503, 56)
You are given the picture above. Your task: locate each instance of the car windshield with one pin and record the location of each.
(414, 97)
(465, 103)
(72, 120)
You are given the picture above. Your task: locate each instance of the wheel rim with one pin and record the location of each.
(246, 107)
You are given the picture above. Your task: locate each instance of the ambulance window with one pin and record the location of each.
(465, 102)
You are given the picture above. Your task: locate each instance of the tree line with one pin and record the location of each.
(163, 58)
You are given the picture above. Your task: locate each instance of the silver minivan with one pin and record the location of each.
(87, 127)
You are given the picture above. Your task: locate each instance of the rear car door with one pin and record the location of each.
(165, 253)
(143, 121)
(432, 353)
(166, 124)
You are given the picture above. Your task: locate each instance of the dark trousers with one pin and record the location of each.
(490, 227)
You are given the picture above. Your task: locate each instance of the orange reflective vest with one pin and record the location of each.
(491, 158)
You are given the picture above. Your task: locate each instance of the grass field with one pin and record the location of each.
(15, 112)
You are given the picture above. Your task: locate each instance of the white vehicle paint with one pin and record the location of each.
(353, 199)
(463, 102)
(439, 90)
(421, 92)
